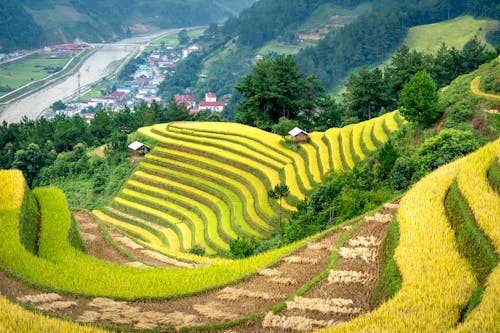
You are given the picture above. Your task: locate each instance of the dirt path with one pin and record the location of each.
(339, 298)
(97, 246)
(346, 292)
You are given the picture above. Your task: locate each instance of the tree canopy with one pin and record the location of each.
(418, 100)
(276, 88)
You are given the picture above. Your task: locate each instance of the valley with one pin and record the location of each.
(277, 166)
(96, 67)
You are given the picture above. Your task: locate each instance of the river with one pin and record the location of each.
(92, 70)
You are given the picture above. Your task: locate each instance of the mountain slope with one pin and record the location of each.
(51, 21)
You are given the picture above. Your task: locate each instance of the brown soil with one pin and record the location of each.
(95, 243)
(97, 246)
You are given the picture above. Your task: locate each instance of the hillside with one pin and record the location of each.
(435, 246)
(454, 33)
(51, 22)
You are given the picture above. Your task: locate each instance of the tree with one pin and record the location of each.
(31, 160)
(58, 105)
(279, 192)
(365, 93)
(418, 100)
(183, 37)
(275, 88)
(284, 126)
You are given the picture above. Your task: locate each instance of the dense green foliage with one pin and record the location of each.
(373, 36)
(494, 175)
(472, 243)
(369, 92)
(447, 146)
(276, 88)
(266, 20)
(29, 225)
(18, 30)
(418, 100)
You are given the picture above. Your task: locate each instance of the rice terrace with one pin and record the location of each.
(319, 282)
(262, 166)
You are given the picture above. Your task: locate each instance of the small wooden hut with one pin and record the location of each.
(138, 148)
(298, 135)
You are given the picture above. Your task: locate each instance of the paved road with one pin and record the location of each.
(92, 70)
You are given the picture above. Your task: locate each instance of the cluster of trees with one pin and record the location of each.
(369, 92)
(35, 145)
(277, 91)
(277, 88)
(373, 36)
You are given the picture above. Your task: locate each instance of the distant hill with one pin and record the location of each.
(372, 37)
(454, 33)
(32, 23)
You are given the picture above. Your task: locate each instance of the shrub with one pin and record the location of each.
(242, 247)
(401, 173)
(445, 147)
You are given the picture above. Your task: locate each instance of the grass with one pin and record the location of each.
(494, 175)
(172, 39)
(282, 48)
(30, 68)
(455, 33)
(472, 243)
(390, 279)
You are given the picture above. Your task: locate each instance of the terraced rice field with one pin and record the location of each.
(205, 184)
(322, 282)
(288, 276)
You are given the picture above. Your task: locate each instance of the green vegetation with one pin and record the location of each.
(494, 175)
(30, 68)
(472, 243)
(454, 33)
(390, 279)
(418, 100)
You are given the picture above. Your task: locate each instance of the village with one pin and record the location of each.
(159, 64)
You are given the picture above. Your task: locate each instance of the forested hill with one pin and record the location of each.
(374, 36)
(32, 23)
(370, 39)
(17, 27)
(267, 19)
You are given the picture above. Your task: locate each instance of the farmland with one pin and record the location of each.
(30, 68)
(341, 258)
(205, 184)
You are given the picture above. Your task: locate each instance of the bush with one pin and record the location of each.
(242, 247)
(445, 147)
(198, 250)
(401, 173)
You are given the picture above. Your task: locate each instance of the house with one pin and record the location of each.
(190, 49)
(212, 106)
(210, 103)
(210, 97)
(138, 148)
(298, 135)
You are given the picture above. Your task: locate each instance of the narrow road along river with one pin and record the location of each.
(92, 70)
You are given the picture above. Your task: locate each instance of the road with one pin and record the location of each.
(92, 70)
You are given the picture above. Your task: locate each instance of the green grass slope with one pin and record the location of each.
(454, 33)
